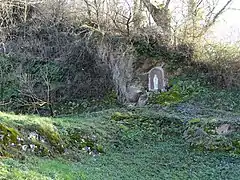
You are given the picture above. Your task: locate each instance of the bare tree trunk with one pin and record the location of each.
(161, 17)
(137, 13)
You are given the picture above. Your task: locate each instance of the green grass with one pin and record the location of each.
(200, 93)
(139, 143)
(163, 160)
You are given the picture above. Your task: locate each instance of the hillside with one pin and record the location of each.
(177, 140)
(122, 89)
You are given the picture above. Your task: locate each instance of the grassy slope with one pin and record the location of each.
(166, 159)
(140, 157)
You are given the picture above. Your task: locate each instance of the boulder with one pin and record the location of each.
(142, 101)
(134, 93)
(224, 129)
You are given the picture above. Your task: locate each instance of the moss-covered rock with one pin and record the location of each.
(9, 140)
(204, 135)
(84, 141)
(8, 135)
(138, 126)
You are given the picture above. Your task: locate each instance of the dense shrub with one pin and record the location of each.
(218, 63)
(181, 90)
(153, 47)
(48, 67)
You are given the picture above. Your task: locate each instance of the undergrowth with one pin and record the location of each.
(200, 93)
(176, 138)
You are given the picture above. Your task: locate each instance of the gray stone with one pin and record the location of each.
(133, 94)
(200, 133)
(224, 129)
(142, 101)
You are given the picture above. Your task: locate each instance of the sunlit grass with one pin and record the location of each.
(167, 158)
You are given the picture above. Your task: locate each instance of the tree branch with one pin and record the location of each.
(219, 13)
(199, 3)
(167, 3)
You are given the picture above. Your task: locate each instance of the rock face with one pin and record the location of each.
(200, 133)
(120, 60)
(142, 101)
(130, 80)
(224, 129)
(133, 94)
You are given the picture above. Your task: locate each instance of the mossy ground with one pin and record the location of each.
(129, 152)
(170, 159)
(131, 143)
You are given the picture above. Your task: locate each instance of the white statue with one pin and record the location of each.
(155, 82)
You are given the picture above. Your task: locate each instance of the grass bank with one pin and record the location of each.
(175, 137)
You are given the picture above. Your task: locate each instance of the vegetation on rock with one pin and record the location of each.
(82, 66)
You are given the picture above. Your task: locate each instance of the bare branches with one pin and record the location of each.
(198, 17)
(199, 3)
(167, 3)
(218, 14)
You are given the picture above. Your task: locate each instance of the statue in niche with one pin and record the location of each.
(155, 82)
(156, 79)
